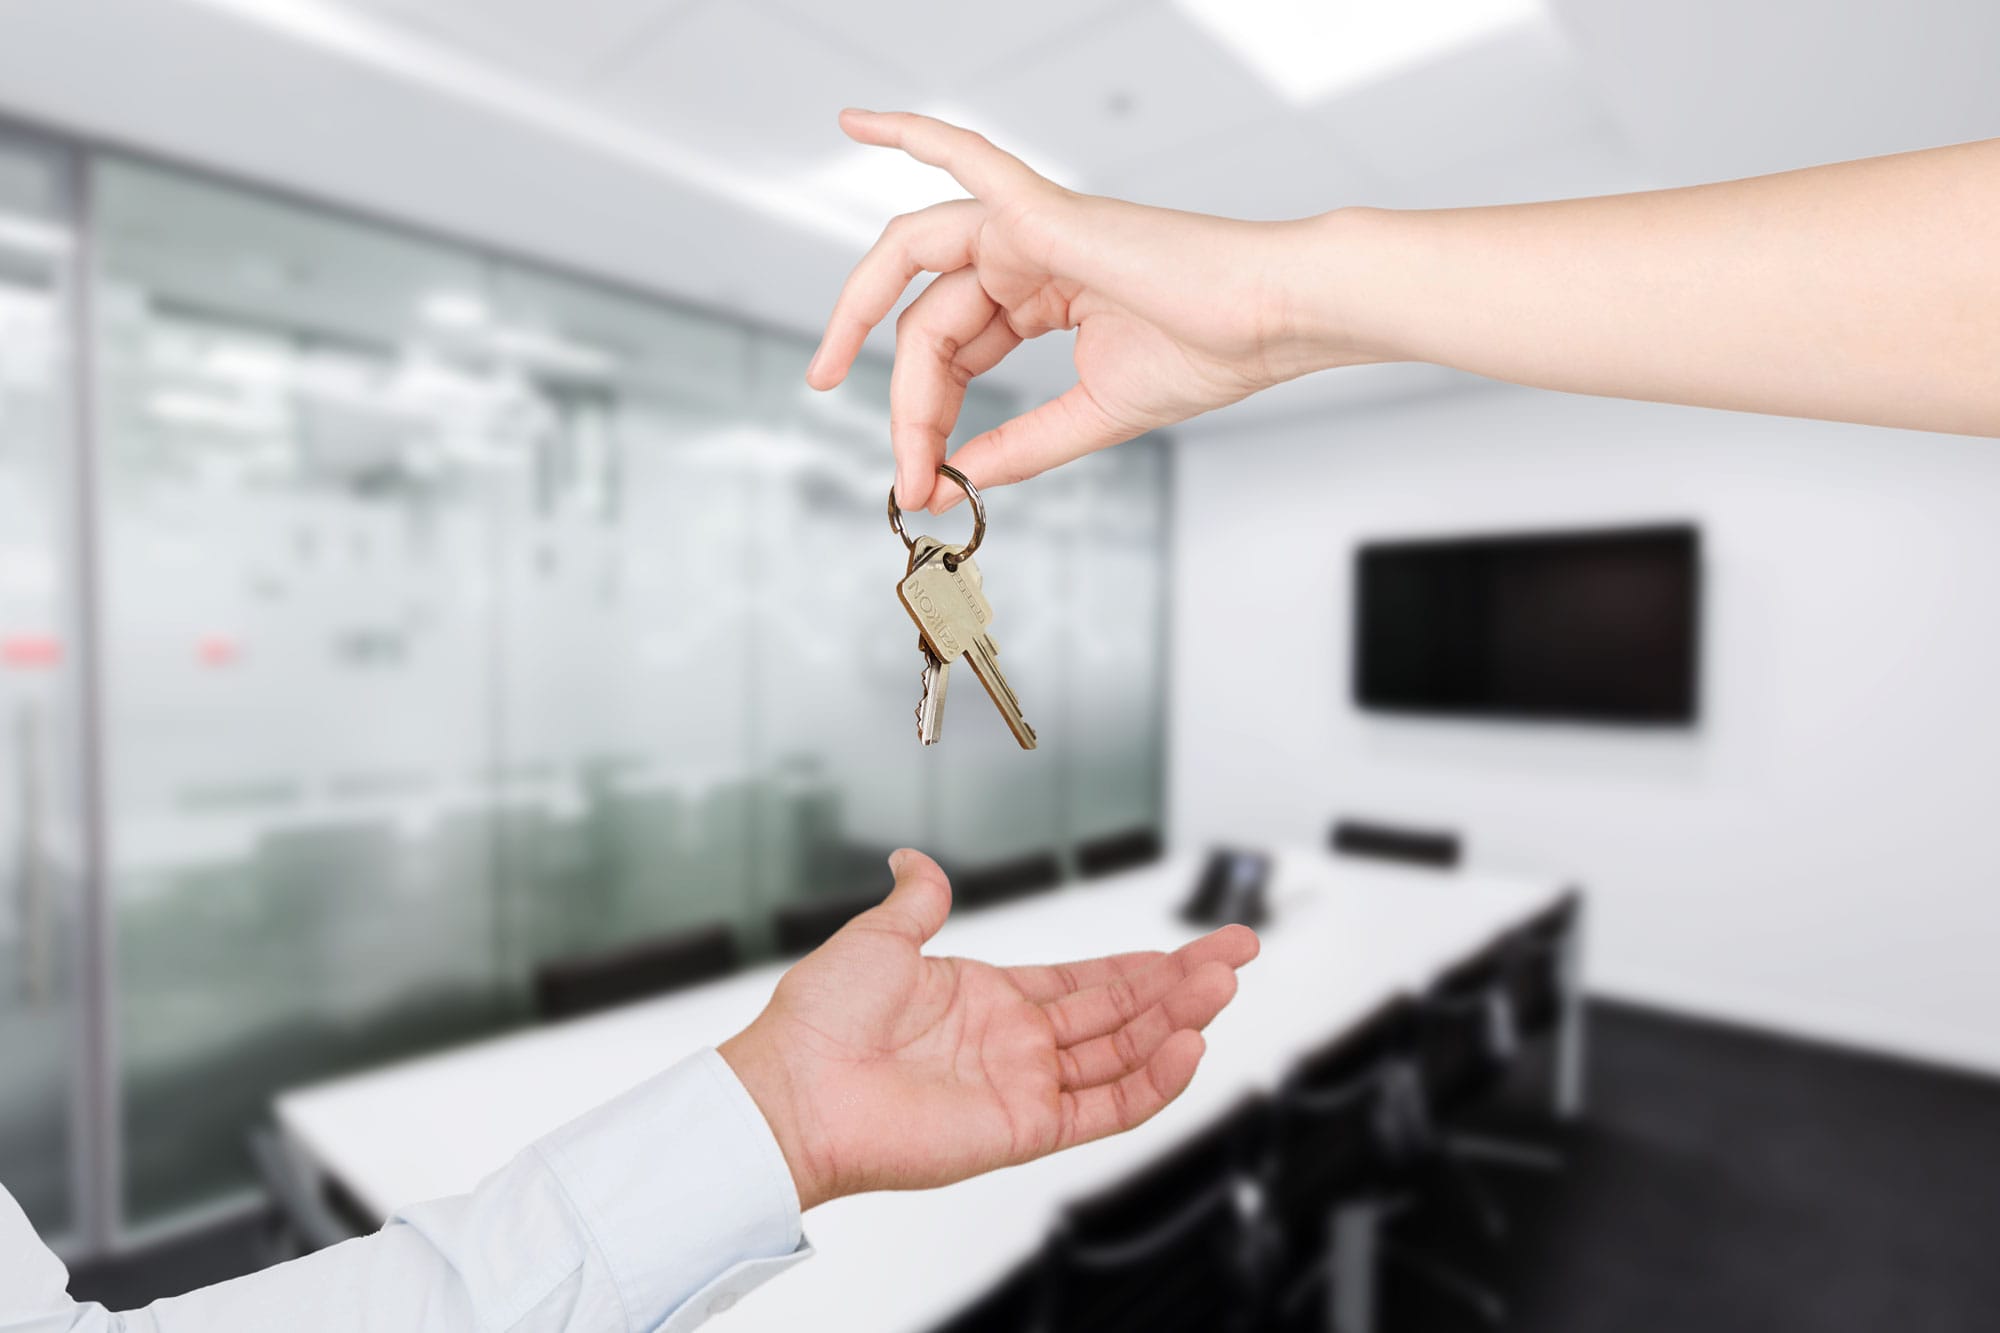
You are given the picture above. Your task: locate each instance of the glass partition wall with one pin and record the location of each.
(42, 1045)
(457, 616)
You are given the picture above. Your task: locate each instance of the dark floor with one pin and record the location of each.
(1723, 1180)
(1726, 1180)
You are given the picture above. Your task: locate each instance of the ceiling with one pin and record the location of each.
(758, 202)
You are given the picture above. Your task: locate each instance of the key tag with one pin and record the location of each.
(951, 558)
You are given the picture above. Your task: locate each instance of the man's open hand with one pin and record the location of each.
(880, 1068)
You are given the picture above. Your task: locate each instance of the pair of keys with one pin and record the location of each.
(943, 591)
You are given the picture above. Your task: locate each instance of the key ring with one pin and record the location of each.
(978, 516)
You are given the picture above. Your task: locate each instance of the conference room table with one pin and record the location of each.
(1343, 936)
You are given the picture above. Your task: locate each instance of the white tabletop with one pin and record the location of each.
(1344, 936)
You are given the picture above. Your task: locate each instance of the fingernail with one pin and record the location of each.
(896, 859)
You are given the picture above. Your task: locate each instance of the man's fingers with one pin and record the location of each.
(1112, 1108)
(1101, 1010)
(937, 239)
(1194, 1003)
(1068, 426)
(927, 385)
(1046, 982)
(984, 170)
(918, 904)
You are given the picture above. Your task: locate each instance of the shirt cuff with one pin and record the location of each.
(683, 1190)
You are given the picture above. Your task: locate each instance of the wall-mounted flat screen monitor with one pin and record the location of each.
(1600, 625)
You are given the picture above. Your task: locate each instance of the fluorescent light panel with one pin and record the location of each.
(366, 41)
(1308, 49)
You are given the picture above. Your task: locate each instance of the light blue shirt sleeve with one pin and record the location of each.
(656, 1210)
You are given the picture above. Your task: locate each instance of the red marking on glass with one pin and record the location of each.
(30, 651)
(217, 650)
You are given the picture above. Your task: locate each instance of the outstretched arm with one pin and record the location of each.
(1865, 291)
(873, 1067)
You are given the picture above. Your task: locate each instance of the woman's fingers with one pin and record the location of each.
(937, 239)
(927, 385)
(1111, 1108)
(1194, 1003)
(1068, 426)
(984, 170)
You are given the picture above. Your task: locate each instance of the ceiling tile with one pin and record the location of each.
(748, 86)
(1718, 88)
(932, 42)
(1141, 81)
(1517, 94)
(549, 41)
(1273, 169)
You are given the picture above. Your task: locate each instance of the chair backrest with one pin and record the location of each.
(999, 881)
(1465, 1029)
(1169, 1247)
(1341, 1122)
(569, 987)
(1386, 842)
(1118, 851)
(1011, 1305)
(804, 926)
(1535, 970)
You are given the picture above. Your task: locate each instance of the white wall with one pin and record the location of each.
(1818, 855)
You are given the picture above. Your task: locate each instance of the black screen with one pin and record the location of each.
(1598, 626)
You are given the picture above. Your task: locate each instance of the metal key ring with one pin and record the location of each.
(978, 513)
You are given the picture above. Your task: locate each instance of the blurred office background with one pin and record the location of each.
(421, 561)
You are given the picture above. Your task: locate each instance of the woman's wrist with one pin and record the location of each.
(1334, 294)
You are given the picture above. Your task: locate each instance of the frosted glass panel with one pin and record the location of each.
(1117, 698)
(459, 617)
(625, 648)
(836, 657)
(40, 846)
(307, 432)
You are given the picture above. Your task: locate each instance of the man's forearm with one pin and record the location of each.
(1865, 291)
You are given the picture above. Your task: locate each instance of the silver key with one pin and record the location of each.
(937, 672)
(944, 596)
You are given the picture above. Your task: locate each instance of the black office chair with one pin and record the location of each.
(1003, 881)
(1345, 1132)
(570, 987)
(303, 1219)
(1467, 1041)
(1537, 980)
(1118, 851)
(1436, 849)
(1011, 1305)
(804, 926)
(1467, 1036)
(1174, 1247)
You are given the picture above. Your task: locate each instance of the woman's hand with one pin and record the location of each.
(1175, 313)
(880, 1068)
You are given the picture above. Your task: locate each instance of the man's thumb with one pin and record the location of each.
(921, 898)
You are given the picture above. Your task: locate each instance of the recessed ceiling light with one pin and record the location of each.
(454, 310)
(1307, 49)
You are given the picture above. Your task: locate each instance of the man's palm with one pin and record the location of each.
(898, 1071)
